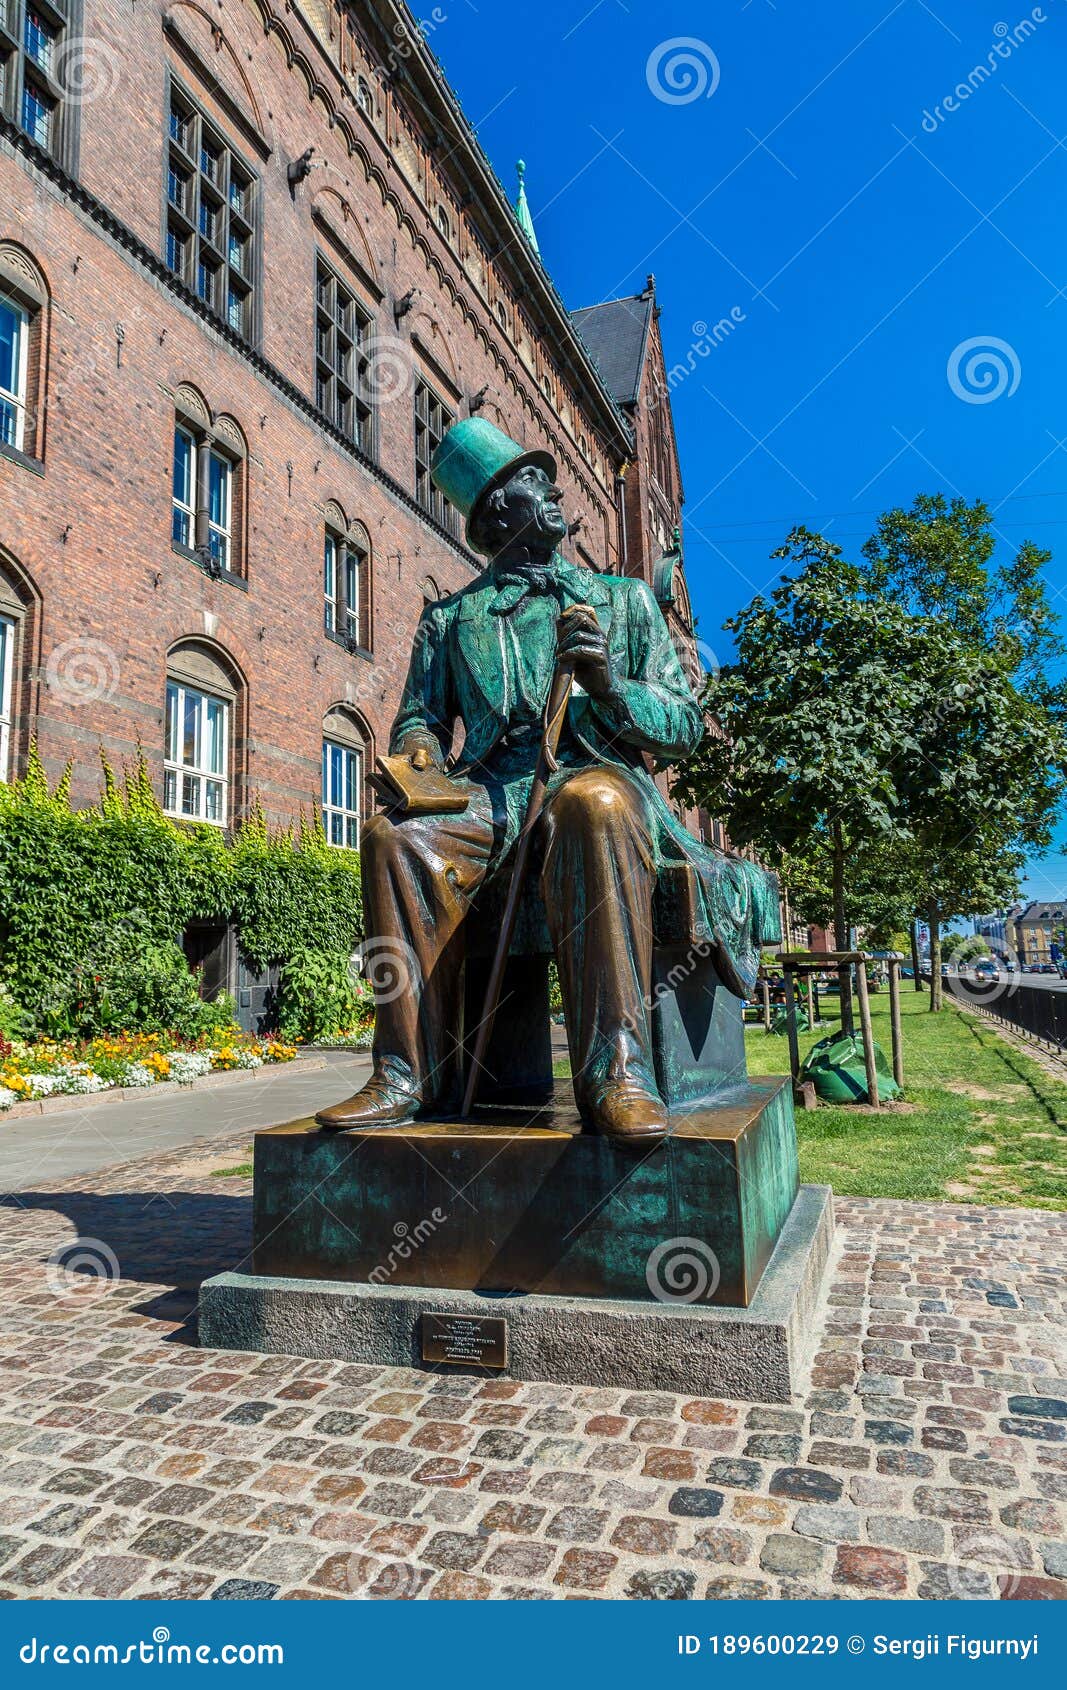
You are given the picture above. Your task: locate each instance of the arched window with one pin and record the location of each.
(364, 97)
(208, 495)
(346, 580)
(345, 744)
(502, 314)
(23, 311)
(431, 592)
(443, 222)
(198, 739)
(18, 607)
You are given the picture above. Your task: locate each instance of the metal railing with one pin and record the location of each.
(1029, 1009)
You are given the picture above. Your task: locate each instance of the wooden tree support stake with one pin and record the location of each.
(894, 1020)
(867, 1032)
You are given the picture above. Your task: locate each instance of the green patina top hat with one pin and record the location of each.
(474, 457)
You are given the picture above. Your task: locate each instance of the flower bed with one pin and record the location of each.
(47, 1068)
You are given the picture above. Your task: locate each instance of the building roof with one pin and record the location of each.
(1044, 910)
(615, 334)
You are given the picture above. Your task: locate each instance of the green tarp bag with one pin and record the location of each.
(780, 1019)
(836, 1068)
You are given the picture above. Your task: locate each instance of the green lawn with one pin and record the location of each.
(981, 1122)
(984, 1123)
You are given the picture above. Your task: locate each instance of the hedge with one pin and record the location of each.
(93, 904)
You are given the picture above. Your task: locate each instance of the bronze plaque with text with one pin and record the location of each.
(472, 1340)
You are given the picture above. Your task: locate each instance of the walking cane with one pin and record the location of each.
(555, 715)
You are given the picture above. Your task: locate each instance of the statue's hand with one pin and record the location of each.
(420, 758)
(582, 642)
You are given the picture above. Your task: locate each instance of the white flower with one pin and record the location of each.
(136, 1074)
(7, 1098)
(43, 1084)
(188, 1065)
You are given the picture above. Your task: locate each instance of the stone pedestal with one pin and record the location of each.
(516, 1200)
(545, 1251)
(759, 1354)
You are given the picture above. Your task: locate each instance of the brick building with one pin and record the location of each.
(253, 261)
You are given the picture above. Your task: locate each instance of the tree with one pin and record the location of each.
(888, 737)
(806, 728)
(991, 772)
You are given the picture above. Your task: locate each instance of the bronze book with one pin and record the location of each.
(417, 792)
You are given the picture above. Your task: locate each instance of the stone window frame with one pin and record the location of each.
(332, 339)
(8, 637)
(229, 196)
(197, 666)
(219, 439)
(23, 288)
(349, 543)
(345, 728)
(432, 419)
(20, 612)
(49, 73)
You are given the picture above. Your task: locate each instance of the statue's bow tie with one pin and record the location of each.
(514, 584)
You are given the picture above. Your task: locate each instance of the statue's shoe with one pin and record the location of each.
(630, 1115)
(378, 1105)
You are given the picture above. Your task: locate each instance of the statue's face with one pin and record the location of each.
(530, 508)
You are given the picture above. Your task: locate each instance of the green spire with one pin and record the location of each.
(522, 209)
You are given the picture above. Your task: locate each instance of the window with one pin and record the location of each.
(364, 97)
(14, 340)
(7, 687)
(195, 755)
(203, 500)
(183, 523)
(346, 744)
(432, 419)
(342, 781)
(219, 508)
(31, 40)
(443, 223)
(345, 568)
(340, 330)
(211, 223)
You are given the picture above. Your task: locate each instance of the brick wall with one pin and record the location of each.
(85, 522)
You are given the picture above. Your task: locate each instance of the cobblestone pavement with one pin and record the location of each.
(928, 1457)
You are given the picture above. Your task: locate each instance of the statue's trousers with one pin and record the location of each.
(597, 879)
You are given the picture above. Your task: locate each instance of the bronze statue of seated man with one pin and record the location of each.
(485, 658)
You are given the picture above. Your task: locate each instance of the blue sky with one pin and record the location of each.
(805, 173)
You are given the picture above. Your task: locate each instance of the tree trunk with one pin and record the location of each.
(841, 928)
(934, 918)
(915, 955)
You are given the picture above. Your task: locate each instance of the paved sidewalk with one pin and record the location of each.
(37, 1150)
(928, 1457)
